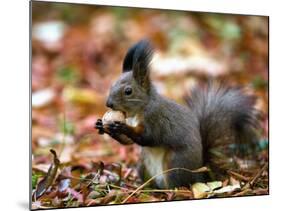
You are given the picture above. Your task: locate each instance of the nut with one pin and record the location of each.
(111, 116)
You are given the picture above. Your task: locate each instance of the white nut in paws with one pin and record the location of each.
(111, 116)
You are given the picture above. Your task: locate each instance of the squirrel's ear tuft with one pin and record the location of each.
(138, 60)
(128, 60)
(139, 54)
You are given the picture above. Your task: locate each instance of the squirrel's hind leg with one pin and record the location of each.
(178, 178)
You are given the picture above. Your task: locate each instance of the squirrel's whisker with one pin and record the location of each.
(134, 100)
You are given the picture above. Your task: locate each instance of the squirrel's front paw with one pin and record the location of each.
(116, 127)
(99, 126)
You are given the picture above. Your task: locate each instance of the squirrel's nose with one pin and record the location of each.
(109, 103)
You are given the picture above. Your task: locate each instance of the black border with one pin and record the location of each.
(135, 7)
(30, 106)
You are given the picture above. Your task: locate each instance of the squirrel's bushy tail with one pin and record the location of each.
(228, 123)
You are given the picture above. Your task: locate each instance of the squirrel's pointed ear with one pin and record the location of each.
(141, 51)
(141, 60)
(128, 60)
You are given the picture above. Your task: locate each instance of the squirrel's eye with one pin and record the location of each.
(128, 90)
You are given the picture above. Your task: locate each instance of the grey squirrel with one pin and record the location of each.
(173, 135)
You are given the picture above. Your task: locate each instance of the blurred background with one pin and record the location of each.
(77, 53)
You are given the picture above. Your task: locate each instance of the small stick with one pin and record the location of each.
(63, 137)
(203, 169)
(128, 173)
(151, 190)
(253, 181)
(126, 189)
(239, 176)
(243, 192)
(164, 191)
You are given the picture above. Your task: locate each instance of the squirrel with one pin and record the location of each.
(173, 135)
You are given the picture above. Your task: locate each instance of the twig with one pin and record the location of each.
(164, 191)
(152, 190)
(243, 192)
(128, 173)
(239, 176)
(76, 178)
(253, 181)
(63, 137)
(203, 169)
(128, 190)
(116, 186)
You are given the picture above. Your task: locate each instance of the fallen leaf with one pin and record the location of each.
(83, 96)
(214, 185)
(42, 97)
(48, 180)
(63, 185)
(200, 190)
(228, 189)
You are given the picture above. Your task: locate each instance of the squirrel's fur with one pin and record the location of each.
(173, 135)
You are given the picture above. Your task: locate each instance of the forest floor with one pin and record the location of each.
(73, 68)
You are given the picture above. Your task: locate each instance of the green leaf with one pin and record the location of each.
(259, 83)
(68, 75)
(66, 127)
(231, 30)
(34, 180)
